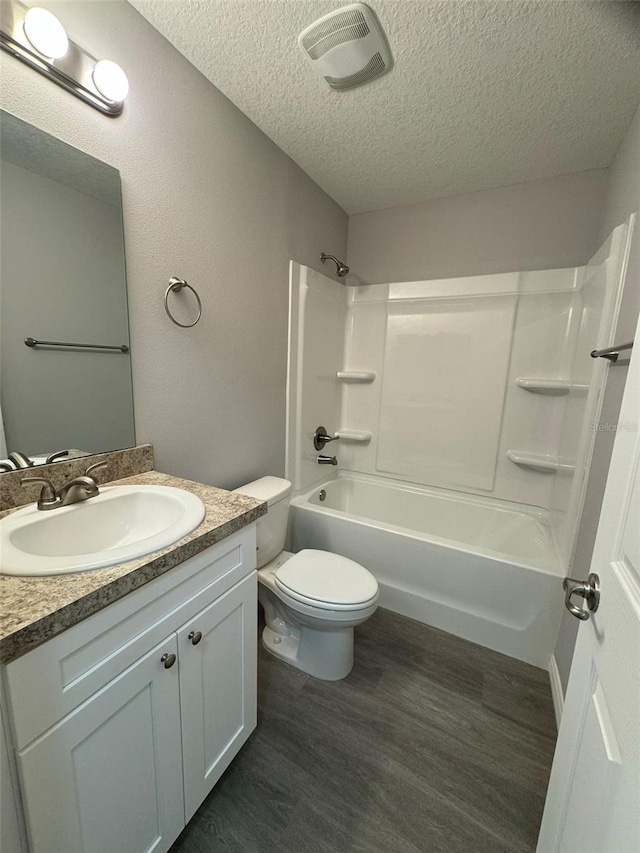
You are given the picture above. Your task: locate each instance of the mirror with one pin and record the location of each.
(62, 283)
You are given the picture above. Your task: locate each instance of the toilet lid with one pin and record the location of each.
(326, 578)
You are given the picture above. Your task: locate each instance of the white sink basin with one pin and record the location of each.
(121, 523)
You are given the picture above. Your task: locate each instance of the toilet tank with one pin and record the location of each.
(272, 527)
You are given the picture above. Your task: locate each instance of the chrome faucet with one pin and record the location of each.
(327, 460)
(79, 489)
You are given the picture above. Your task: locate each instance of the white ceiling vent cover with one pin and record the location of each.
(347, 47)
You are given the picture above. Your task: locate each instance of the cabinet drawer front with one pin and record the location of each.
(108, 776)
(218, 687)
(74, 665)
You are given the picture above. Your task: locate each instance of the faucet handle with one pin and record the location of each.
(53, 457)
(48, 496)
(95, 467)
(322, 437)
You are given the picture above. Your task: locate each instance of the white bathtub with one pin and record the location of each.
(485, 570)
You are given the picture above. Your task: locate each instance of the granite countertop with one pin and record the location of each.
(35, 609)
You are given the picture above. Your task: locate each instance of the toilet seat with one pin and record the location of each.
(327, 581)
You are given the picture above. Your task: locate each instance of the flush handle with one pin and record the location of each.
(168, 660)
(589, 590)
(195, 637)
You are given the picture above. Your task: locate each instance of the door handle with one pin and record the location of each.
(589, 590)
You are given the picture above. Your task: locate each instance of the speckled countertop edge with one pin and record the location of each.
(35, 609)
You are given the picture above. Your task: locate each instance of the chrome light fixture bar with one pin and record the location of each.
(101, 84)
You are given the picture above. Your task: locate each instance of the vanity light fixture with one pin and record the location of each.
(36, 37)
(111, 81)
(45, 32)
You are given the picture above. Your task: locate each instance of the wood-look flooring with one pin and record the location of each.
(430, 744)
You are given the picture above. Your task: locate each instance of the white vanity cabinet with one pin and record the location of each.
(218, 685)
(104, 778)
(123, 723)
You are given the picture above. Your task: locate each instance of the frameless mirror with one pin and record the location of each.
(65, 366)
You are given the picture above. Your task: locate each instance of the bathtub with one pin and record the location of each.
(485, 570)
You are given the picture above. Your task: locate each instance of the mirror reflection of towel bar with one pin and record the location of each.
(611, 353)
(32, 342)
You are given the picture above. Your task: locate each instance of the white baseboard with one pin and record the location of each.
(557, 693)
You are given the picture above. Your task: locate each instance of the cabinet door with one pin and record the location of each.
(108, 777)
(218, 687)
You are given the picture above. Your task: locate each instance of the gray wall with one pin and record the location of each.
(209, 198)
(623, 198)
(537, 225)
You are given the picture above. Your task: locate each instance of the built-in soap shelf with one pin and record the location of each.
(544, 463)
(354, 376)
(361, 435)
(551, 387)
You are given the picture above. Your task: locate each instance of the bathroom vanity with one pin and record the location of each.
(119, 725)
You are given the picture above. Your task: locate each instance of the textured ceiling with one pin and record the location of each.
(483, 94)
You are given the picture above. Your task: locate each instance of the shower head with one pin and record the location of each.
(341, 269)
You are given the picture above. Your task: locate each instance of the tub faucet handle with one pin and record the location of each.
(327, 460)
(322, 437)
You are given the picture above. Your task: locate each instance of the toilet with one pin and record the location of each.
(312, 600)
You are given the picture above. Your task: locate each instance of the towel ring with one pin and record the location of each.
(175, 286)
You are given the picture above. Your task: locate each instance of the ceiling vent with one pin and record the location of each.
(347, 47)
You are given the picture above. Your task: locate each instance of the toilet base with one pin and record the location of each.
(327, 655)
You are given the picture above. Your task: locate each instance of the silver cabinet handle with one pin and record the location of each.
(589, 590)
(168, 660)
(195, 637)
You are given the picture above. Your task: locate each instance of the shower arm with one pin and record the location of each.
(341, 269)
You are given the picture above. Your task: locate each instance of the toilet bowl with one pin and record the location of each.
(312, 600)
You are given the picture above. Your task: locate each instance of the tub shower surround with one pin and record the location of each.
(463, 409)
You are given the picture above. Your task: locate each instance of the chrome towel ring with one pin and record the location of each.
(175, 285)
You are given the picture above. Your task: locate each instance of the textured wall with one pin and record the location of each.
(537, 225)
(207, 197)
(623, 198)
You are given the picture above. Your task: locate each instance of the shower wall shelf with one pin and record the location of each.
(551, 387)
(353, 376)
(354, 435)
(544, 463)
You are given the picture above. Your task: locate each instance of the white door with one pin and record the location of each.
(108, 777)
(218, 687)
(593, 800)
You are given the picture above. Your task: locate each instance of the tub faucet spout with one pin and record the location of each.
(327, 460)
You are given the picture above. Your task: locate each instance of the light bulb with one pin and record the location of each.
(110, 80)
(46, 33)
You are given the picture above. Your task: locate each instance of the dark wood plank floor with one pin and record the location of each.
(431, 744)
